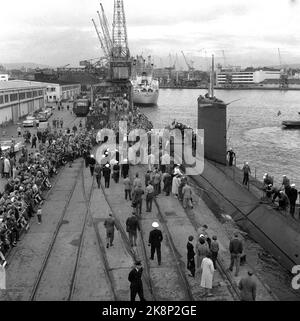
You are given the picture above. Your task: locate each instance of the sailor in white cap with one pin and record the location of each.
(155, 239)
(92, 163)
(293, 195)
(106, 174)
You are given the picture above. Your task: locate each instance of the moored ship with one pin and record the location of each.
(145, 87)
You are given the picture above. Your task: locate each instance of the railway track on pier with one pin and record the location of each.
(166, 279)
(39, 288)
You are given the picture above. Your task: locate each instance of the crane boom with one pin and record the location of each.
(187, 63)
(100, 39)
(106, 28)
(105, 39)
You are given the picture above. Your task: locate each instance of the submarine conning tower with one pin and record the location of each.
(212, 117)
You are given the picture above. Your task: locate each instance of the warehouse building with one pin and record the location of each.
(61, 91)
(19, 98)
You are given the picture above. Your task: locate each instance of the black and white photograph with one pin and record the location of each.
(149, 151)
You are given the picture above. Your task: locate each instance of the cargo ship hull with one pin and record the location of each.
(145, 98)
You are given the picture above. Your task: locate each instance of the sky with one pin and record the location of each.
(237, 32)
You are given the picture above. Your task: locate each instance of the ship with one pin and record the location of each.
(272, 229)
(291, 123)
(145, 86)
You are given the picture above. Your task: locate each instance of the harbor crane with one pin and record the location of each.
(283, 81)
(191, 69)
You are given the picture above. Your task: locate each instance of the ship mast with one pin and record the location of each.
(212, 78)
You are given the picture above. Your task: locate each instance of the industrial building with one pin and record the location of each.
(245, 77)
(19, 98)
(61, 91)
(4, 77)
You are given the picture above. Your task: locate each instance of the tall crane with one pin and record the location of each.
(283, 81)
(120, 43)
(189, 65)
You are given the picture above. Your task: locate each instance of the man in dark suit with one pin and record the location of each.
(125, 168)
(191, 256)
(247, 287)
(136, 284)
(155, 239)
(236, 250)
(106, 174)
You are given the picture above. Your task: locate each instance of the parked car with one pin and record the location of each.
(52, 107)
(30, 121)
(43, 116)
(6, 145)
(49, 112)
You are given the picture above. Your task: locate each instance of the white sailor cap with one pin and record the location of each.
(155, 224)
(293, 185)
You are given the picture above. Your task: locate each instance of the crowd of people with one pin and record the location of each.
(284, 197)
(30, 175)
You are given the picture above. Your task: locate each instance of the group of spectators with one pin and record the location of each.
(30, 175)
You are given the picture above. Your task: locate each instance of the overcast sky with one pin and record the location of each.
(60, 32)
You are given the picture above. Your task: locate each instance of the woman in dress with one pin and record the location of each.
(207, 268)
(175, 185)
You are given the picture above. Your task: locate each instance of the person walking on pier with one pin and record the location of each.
(109, 225)
(149, 197)
(155, 239)
(201, 250)
(125, 168)
(187, 196)
(33, 141)
(132, 226)
(136, 283)
(207, 269)
(106, 173)
(138, 199)
(247, 287)
(236, 250)
(116, 171)
(39, 213)
(92, 164)
(127, 185)
(167, 180)
(293, 195)
(98, 174)
(191, 256)
(247, 171)
(214, 249)
(137, 181)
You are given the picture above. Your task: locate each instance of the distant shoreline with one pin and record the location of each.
(222, 88)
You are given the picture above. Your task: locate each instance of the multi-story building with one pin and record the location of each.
(19, 98)
(4, 77)
(245, 77)
(61, 91)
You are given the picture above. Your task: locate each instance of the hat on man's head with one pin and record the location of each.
(138, 263)
(293, 185)
(155, 224)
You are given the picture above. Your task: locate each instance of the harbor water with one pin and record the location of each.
(256, 135)
(254, 127)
